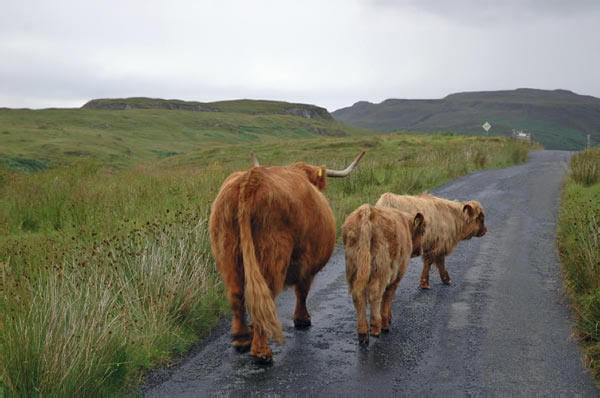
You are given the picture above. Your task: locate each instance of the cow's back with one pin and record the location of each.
(290, 217)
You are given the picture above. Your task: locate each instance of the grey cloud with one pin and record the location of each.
(482, 12)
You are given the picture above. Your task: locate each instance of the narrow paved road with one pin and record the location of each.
(503, 327)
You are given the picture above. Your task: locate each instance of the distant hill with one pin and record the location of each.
(123, 132)
(558, 119)
(251, 107)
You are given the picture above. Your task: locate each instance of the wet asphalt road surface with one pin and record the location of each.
(502, 328)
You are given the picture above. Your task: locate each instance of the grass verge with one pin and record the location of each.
(86, 325)
(579, 248)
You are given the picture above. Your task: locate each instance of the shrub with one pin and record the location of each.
(585, 167)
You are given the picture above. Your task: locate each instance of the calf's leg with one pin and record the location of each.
(386, 305)
(360, 303)
(424, 283)
(375, 297)
(440, 263)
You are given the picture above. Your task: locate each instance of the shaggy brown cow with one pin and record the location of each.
(271, 227)
(448, 223)
(379, 243)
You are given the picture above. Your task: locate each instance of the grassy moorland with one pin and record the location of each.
(107, 271)
(37, 139)
(579, 244)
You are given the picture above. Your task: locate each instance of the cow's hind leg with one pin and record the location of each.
(386, 305)
(240, 333)
(301, 315)
(360, 303)
(260, 351)
(274, 265)
(440, 263)
(375, 298)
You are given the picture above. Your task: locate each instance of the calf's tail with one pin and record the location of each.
(363, 271)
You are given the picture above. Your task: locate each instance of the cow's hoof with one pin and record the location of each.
(447, 281)
(424, 286)
(301, 323)
(241, 348)
(242, 341)
(385, 325)
(265, 360)
(375, 333)
(363, 339)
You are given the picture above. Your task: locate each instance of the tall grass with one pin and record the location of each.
(85, 327)
(585, 167)
(105, 273)
(579, 244)
(92, 196)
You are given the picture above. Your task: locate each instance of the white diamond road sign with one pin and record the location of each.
(486, 126)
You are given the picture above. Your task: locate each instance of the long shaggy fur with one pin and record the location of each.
(448, 223)
(363, 263)
(379, 243)
(259, 298)
(270, 227)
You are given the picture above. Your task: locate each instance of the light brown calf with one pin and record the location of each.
(379, 243)
(448, 223)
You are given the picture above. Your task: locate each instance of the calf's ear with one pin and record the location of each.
(419, 222)
(469, 210)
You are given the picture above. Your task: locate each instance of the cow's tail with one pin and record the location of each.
(363, 271)
(258, 296)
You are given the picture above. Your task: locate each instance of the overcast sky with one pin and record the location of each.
(332, 53)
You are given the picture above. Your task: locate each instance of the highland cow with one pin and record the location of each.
(448, 223)
(271, 227)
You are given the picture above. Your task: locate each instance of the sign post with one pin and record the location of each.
(486, 126)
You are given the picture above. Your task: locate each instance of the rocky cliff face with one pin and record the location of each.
(308, 111)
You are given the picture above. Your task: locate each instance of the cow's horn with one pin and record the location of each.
(254, 159)
(348, 170)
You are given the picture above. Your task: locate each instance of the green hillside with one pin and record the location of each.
(123, 132)
(558, 119)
